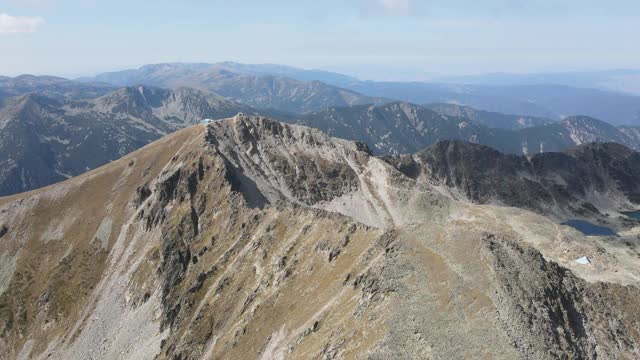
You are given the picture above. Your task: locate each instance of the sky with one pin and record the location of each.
(371, 39)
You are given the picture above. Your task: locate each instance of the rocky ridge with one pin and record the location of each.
(249, 238)
(586, 182)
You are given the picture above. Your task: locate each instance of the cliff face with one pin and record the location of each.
(589, 181)
(248, 238)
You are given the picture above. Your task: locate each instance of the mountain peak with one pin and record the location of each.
(28, 101)
(251, 238)
(127, 98)
(249, 128)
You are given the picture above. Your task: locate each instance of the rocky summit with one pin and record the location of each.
(251, 239)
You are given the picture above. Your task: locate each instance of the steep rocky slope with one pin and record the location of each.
(587, 181)
(44, 140)
(248, 238)
(571, 132)
(398, 128)
(633, 132)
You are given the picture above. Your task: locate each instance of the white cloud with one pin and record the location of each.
(19, 24)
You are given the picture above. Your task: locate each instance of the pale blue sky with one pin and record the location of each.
(375, 39)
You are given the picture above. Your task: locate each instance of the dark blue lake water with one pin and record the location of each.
(590, 229)
(632, 214)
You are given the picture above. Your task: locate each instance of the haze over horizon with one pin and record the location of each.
(369, 39)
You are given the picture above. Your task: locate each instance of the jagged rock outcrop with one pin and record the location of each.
(562, 315)
(249, 238)
(590, 180)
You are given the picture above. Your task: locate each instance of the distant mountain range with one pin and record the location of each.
(398, 128)
(62, 128)
(260, 87)
(51, 86)
(46, 140)
(288, 71)
(297, 90)
(489, 118)
(143, 73)
(614, 80)
(547, 101)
